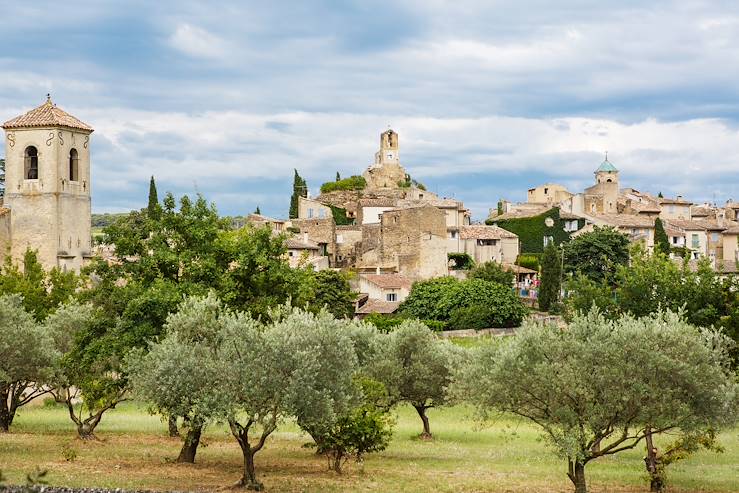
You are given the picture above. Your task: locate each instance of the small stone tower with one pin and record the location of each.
(47, 186)
(606, 172)
(388, 153)
(386, 171)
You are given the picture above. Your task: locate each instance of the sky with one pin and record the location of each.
(489, 98)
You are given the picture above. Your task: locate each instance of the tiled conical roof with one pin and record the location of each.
(47, 115)
(606, 166)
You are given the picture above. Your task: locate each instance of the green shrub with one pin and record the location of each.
(354, 182)
(340, 217)
(462, 261)
(530, 261)
(384, 323)
(493, 272)
(443, 299)
(532, 230)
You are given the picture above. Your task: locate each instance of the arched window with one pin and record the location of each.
(73, 165)
(31, 163)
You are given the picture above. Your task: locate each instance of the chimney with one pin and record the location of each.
(377, 270)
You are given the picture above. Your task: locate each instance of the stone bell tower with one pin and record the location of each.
(47, 186)
(386, 171)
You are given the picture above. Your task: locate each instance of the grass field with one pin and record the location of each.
(507, 456)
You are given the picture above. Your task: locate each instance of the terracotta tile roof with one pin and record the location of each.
(297, 244)
(388, 281)
(517, 269)
(258, 218)
(377, 202)
(626, 220)
(675, 201)
(700, 211)
(47, 115)
(480, 232)
(520, 214)
(697, 224)
(378, 306)
(732, 230)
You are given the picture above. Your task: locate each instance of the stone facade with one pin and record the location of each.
(47, 161)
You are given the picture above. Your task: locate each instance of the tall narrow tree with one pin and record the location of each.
(661, 241)
(153, 208)
(551, 277)
(300, 189)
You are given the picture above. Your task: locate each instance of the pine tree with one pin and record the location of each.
(661, 241)
(300, 189)
(551, 278)
(153, 208)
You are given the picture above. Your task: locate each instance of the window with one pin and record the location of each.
(420, 195)
(452, 234)
(391, 296)
(73, 165)
(310, 213)
(30, 162)
(321, 213)
(694, 241)
(546, 191)
(339, 239)
(674, 240)
(714, 237)
(548, 240)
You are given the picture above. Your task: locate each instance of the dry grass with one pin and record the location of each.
(134, 453)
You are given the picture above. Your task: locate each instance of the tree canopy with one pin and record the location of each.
(598, 387)
(596, 254)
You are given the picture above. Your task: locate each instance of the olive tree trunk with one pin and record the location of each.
(241, 433)
(576, 473)
(191, 442)
(652, 463)
(421, 410)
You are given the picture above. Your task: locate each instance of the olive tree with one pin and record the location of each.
(81, 376)
(27, 356)
(178, 375)
(301, 365)
(599, 387)
(417, 367)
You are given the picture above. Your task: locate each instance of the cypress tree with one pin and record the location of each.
(551, 278)
(300, 189)
(338, 176)
(153, 208)
(258, 211)
(661, 241)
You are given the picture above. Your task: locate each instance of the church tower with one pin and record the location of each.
(47, 186)
(386, 171)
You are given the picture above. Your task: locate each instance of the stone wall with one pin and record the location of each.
(322, 231)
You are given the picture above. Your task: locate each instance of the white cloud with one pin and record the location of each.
(198, 42)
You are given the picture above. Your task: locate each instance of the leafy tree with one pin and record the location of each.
(41, 291)
(462, 261)
(596, 254)
(416, 367)
(332, 291)
(300, 189)
(298, 366)
(529, 261)
(437, 299)
(179, 374)
(27, 357)
(493, 272)
(661, 241)
(365, 428)
(551, 278)
(254, 274)
(600, 386)
(153, 209)
(91, 369)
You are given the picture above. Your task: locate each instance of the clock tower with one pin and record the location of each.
(47, 187)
